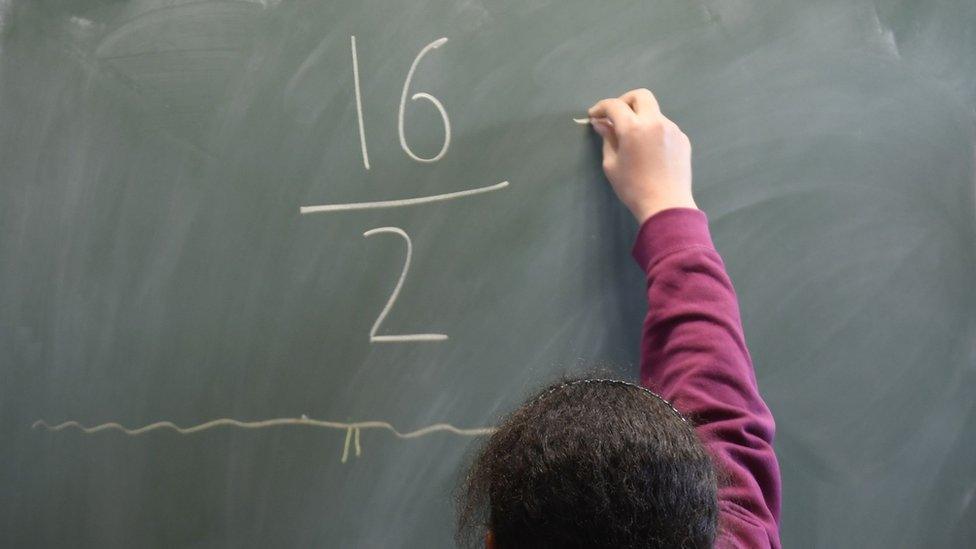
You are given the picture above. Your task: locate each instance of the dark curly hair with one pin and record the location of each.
(591, 463)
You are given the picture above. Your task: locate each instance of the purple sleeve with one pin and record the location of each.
(693, 353)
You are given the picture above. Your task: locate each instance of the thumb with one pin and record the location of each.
(605, 130)
(609, 139)
(601, 126)
(609, 154)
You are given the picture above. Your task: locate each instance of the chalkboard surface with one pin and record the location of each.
(323, 225)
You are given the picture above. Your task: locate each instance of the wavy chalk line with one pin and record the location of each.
(352, 429)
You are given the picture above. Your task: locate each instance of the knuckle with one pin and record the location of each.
(656, 126)
(678, 132)
(630, 129)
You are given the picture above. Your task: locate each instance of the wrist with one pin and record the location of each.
(644, 211)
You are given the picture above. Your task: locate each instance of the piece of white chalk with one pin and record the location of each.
(587, 121)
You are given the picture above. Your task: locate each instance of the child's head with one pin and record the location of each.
(591, 463)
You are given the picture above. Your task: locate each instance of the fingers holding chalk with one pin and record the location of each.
(623, 109)
(603, 126)
(619, 112)
(642, 101)
(588, 121)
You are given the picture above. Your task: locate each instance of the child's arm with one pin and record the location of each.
(693, 352)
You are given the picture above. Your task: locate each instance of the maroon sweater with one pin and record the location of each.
(693, 353)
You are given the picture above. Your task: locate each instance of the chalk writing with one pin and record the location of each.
(399, 203)
(352, 429)
(373, 338)
(423, 95)
(359, 102)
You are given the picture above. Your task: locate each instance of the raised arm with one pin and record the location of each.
(693, 351)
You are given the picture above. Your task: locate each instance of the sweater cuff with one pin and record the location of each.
(669, 231)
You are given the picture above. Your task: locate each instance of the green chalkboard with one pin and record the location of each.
(207, 210)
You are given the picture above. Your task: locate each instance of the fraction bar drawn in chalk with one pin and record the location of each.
(351, 429)
(324, 208)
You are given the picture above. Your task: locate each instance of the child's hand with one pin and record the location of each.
(646, 157)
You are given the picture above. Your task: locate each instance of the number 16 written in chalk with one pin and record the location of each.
(445, 119)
